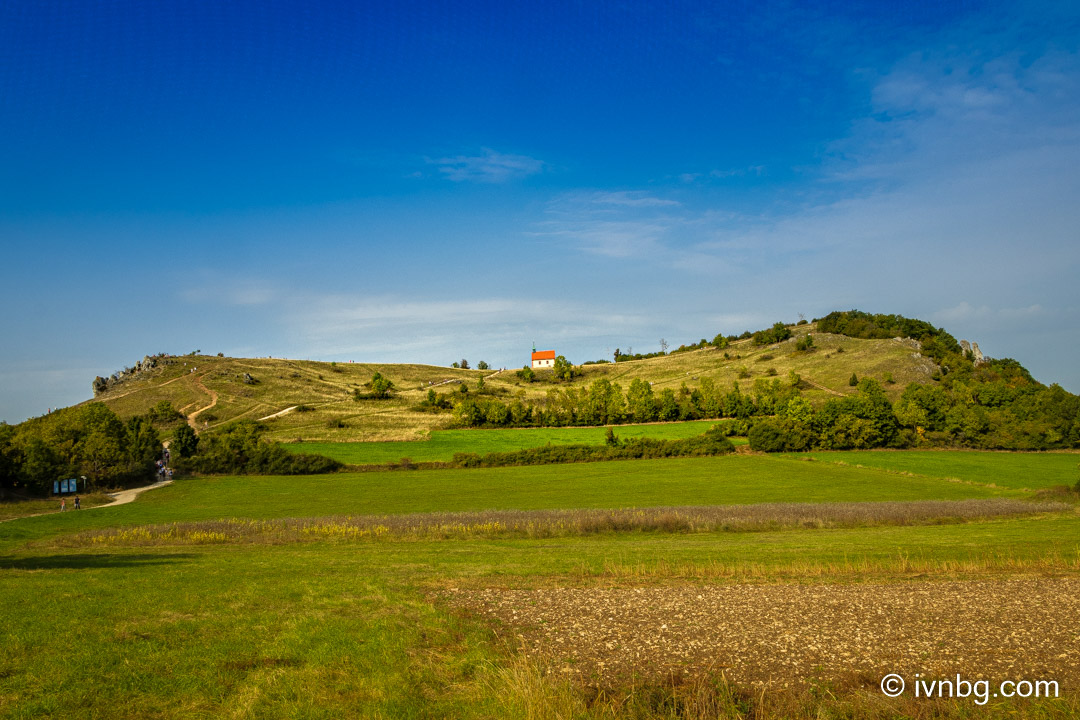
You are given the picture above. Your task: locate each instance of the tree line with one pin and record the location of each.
(89, 441)
(995, 405)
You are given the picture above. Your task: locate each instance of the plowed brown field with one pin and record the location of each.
(785, 634)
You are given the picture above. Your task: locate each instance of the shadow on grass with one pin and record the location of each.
(91, 561)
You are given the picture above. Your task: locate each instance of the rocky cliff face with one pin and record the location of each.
(104, 384)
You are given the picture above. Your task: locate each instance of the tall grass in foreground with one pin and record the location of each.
(901, 564)
(532, 693)
(564, 523)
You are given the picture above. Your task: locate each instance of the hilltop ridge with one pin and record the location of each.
(310, 400)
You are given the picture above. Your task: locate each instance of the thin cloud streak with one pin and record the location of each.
(409, 330)
(488, 167)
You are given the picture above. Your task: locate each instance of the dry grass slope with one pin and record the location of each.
(332, 415)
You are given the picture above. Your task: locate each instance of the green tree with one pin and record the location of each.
(10, 459)
(853, 380)
(604, 403)
(800, 410)
(41, 464)
(143, 445)
(380, 386)
(669, 405)
(562, 369)
(482, 366)
(922, 406)
(185, 442)
(640, 401)
(163, 412)
(777, 333)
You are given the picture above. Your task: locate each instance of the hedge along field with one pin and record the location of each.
(1017, 471)
(442, 444)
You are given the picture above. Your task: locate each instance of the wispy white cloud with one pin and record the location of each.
(626, 198)
(394, 328)
(985, 315)
(217, 288)
(615, 239)
(753, 170)
(488, 167)
(617, 224)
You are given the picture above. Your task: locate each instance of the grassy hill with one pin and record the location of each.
(314, 401)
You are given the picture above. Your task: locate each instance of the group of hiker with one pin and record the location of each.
(164, 472)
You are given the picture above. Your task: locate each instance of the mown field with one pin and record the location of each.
(366, 627)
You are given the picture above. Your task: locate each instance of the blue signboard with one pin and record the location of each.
(55, 487)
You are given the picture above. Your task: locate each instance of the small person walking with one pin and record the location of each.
(63, 504)
(78, 506)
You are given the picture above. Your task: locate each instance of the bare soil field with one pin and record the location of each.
(785, 635)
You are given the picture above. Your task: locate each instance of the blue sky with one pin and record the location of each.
(429, 181)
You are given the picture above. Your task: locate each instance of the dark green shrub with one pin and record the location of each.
(777, 333)
(185, 442)
(239, 449)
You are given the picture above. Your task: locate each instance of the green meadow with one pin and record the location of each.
(1017, 471)
(727, 480)
(442, 444)
(333, 628)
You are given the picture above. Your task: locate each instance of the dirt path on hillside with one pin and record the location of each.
(279, 413)
(781, 635)
(808, 381)
(148, 387)
(213, 402)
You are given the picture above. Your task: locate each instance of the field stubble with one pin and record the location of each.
(783, 635)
